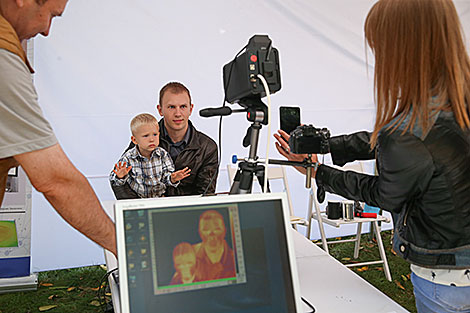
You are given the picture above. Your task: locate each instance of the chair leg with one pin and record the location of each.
(310, 213)
(357, 243)
(323, 236)
(371, 231)
(383, 256)
(320, 225)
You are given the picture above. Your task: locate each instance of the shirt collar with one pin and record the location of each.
(135, 153)
(9, 41)
(168, 138)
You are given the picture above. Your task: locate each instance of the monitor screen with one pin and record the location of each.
(212, 257)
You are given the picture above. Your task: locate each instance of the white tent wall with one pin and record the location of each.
(105, 62)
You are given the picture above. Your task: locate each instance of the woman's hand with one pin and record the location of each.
(282, 145)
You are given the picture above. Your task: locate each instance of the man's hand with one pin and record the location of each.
(5, 165)
(179, 175)
(121, 169)
(68, 191)
(282, 145)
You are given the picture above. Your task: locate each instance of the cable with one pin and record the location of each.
(102, 294)
(219, 159)
(268, 96)
(308, 304)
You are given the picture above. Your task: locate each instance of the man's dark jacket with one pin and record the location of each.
(423, 178)
(200, 155)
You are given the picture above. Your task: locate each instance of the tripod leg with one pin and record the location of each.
(235, 188)
(260, 175)
(243, 181)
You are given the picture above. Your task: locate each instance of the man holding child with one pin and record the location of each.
(188, 147)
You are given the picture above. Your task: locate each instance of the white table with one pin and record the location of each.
(325, 282)
(332, 287)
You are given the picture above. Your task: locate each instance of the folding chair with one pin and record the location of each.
(275, 173)
(321, 218)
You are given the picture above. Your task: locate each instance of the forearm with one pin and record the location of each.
(68, 191)
(349, 148)
(76, 202)
(405, 167)
(350, 185)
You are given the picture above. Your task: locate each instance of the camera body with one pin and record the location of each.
(310, 140)
(240, 76)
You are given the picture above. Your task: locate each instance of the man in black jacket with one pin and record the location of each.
(187, 146)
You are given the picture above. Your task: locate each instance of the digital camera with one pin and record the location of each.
(310, 140)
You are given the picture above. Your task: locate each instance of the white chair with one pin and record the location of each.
(321, 218)
(275, 173)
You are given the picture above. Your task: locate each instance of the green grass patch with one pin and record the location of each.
(70, 290)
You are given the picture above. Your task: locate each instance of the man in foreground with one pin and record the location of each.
(26, 137)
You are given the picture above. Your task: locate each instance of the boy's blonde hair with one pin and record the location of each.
(142, 119)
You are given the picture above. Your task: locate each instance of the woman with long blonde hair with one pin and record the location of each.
(421, 142)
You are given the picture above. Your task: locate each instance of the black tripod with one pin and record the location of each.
(243, 181)
(258, 115)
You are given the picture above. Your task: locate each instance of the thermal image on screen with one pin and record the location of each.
(8, 236)
(205, 250)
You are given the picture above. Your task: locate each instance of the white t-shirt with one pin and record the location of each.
(23, 126)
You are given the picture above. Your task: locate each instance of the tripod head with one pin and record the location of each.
(243, 79)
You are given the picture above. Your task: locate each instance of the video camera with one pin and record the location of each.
(307, 139)
(240, 76)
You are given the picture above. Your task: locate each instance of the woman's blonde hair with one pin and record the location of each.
(420, 54)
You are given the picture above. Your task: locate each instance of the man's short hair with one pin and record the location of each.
(211, 215)
(142, 119)
(176, 88)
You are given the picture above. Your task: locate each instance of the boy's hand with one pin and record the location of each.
(179, 175)
(121, 169)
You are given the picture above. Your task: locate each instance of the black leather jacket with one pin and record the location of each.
(424, 178)
(200, 155)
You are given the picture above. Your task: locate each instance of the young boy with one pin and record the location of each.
(184, 261)
(147, 168)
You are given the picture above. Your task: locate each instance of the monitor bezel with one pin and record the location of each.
(137, 204)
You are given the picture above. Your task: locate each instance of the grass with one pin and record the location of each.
(70, 290)
(76, 290)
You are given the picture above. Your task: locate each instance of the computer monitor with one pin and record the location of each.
(219, 254)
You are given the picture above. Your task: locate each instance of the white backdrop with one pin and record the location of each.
(105, 62)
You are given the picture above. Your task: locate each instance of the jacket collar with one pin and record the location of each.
(193, 141)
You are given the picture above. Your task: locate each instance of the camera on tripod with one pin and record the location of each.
(240, 76)
(307, 139)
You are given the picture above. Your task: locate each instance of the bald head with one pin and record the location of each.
(31, 17)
